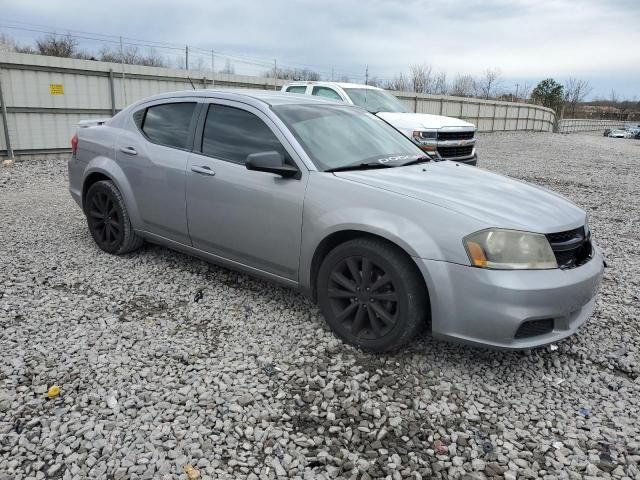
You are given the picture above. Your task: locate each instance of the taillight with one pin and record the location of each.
(74, 144)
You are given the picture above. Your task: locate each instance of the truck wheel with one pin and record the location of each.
(108, 219)
(371, 294)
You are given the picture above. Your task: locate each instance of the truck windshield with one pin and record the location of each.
(338, 136)
(375, 100)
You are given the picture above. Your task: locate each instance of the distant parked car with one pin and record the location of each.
(619, 133)
(329, 199)
(452, 138)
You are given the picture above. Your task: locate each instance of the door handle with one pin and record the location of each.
(203, 170)
(128, 150)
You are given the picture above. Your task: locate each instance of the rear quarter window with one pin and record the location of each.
(297, 89)
(166, 124)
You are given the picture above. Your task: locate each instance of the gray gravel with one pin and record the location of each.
(248, 382)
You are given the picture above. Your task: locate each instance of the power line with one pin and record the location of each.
(152, 44)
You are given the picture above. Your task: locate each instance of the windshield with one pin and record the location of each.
(337, 136)
(375, 100)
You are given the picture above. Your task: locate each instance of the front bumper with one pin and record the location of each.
(487, 307)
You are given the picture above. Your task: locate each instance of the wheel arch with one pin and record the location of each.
(332, 240)
(102, 168)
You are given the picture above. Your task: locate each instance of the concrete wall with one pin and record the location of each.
(41, 121)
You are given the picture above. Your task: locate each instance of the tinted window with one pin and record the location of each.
(232, 134)
(326, 92)
(168, 124)
(138, 117)
(297, 89)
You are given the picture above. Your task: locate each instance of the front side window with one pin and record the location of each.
(232, 134)
(375, 101)
(168, 124)
(326, 92)
(297, 89)
(335, 136)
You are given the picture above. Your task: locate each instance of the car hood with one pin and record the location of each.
(492, 199)
(413, 121)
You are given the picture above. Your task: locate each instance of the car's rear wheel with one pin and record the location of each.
(108, 219)
(371, 294)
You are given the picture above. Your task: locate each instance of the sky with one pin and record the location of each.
(525, 40)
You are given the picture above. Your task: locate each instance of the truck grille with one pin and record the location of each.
(451, 152)
(571, 248)
(455, 135)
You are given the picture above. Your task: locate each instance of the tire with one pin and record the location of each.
(388, 315)
(108, 219)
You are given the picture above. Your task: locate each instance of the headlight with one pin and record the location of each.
(426, 139)
(509, 250)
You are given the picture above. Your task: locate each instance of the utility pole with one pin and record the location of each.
(5, 124)
(275, 74)
(186, 57)
(213, 69)
(124, 88)
(517, 86)
(366, 76)
(332, 74)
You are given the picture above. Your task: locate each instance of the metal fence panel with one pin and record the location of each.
(47, 96)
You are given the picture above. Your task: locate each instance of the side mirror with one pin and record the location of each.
(272, 162)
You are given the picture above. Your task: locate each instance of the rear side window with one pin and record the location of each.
(326, 92)
(168, 124)
(232, 134)
(297, 89)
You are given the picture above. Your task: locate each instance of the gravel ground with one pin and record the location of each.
(249, 383)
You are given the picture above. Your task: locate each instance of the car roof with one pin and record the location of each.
(346, 85)
(269, 97)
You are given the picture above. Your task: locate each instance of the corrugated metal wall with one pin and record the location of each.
(42, 120)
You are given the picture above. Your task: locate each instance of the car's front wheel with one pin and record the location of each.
(371, 294)
(108, 219)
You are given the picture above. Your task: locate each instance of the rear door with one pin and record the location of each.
(154, 155)
(253, 218)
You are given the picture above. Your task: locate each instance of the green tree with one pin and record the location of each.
(548, 93)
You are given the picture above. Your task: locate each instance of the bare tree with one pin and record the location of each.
(7, 44)
(399, 83)
(294, 74)
(575, 91)
(440, 85)
(131, 56)
(421, 78)
(229, 68)
(57, 46)
(613, 98)
(489, 82)
(463, 86)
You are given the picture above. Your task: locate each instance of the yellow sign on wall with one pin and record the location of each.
(56, 89)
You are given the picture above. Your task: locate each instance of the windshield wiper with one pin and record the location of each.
(423, 159)
(359, 166)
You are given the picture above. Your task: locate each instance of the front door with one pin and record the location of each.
(253, 218)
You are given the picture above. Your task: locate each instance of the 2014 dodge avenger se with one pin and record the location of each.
(330, 199)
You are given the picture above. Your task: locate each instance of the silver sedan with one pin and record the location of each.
(329, 199)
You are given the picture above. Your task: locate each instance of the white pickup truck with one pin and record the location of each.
(452, 138)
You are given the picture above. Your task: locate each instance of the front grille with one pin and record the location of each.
(455, 135)
(533, 328)
(571, 248)
(450, 152)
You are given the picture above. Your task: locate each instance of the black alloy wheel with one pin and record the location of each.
(108, 219)
(105, 221)
(371, 294)
(362, 296)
